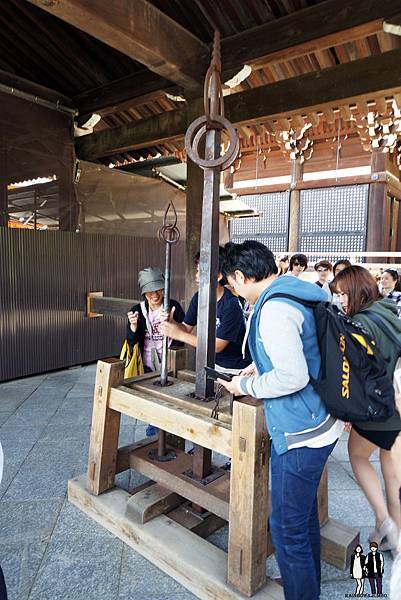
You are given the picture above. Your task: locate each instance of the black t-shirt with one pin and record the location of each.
(230, 326)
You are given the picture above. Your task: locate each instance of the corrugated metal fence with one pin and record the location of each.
(44, 279)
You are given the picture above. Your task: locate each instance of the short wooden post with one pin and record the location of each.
(105, 429)
(177, 360)
(248, 498)
(295, 205)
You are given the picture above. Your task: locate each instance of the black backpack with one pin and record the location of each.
(353, 383)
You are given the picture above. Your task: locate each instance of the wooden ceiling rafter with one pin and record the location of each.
(303, 32)
(142, 32)
(134, 90)
(286, 56)
(366, 79)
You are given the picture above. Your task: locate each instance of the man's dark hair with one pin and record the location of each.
(221, 261)
(298, 258)
(252, 258)
(325, 264)
(342, 261)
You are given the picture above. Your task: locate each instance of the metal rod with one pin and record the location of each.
(161, 444)
(209, 255)
(6, 89)
(166, 306)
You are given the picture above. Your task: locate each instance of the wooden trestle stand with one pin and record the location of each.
(157, 520)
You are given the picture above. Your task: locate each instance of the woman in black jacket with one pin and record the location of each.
(144, 322)
(144, 319)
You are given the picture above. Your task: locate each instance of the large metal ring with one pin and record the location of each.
(169, 234)
(196, 131)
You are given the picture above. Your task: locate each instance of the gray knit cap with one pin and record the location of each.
(150, 279)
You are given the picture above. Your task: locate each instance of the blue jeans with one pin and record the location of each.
(294, 522)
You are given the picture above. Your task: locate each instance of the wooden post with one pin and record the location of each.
(378, 227)
(295, 206)
(398, 233)
(192, 242)
(202, 456)
(3, 185)
(247, 540)
(67, 203)
(105, 429)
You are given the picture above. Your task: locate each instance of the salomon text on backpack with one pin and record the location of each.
(353, 383)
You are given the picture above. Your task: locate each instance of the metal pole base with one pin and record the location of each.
(169, 455)
(160, 384)
(193, 395)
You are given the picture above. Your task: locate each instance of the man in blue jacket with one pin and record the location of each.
(282, 340)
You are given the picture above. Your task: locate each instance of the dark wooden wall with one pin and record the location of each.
(44, 280)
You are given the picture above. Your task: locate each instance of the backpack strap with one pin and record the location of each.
(380, 323)
(307, 303)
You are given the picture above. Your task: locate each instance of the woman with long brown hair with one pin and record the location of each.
(358, 292)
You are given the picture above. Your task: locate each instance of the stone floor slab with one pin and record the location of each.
(351, 508)
(81, 569)
(141, 579)
(28, 521)
(20, 563)
(340, 478)
(73, 523)
(45, 472)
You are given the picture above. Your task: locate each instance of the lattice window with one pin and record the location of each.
(333, 220)
(271, 228)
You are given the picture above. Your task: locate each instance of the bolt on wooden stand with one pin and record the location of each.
(163, 521)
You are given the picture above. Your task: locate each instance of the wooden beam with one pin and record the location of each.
(128, 92)
(330, 88)
(191, 426)
(247, 541)
(151, 502)
(305, 31)
(142, 32)
(34, 89)
(192, 561)
(274, 44)
(215, 496)
(105, 429)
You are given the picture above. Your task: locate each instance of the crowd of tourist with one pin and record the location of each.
(274, 355)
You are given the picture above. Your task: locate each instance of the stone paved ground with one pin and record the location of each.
(50, 551)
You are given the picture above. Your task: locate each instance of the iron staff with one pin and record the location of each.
(169, 234)
(210, 126)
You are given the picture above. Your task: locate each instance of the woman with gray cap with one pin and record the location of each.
(144, 319)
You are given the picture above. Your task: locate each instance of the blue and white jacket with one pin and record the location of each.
(284, 348)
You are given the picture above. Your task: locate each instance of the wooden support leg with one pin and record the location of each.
(105, 429)
(247, 540)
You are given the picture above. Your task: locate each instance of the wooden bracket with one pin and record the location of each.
(89, 304)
